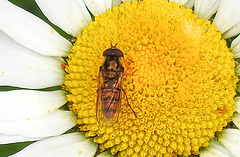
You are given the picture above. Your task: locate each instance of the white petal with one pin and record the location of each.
(237, 69)
(186, 3)
(52, 124)
(235, 30)
(105, 154)
(31, 31)
(68, 145)
(108, 4)
(236, 119)
(25, 68)
(237, 104)
(235, 47)
(189, 3)
(6, 139)
(180, 2)
(97, 7)
(231, 140)
(70, 15)
(215, 149)
(116, 2)
(205, 9)
(28, 104)
(228, 15)
(127, 0)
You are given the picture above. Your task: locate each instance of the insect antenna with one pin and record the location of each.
(114, 45)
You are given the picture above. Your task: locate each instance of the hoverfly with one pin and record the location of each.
(110, 82)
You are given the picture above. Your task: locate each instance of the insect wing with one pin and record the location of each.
(109, 99)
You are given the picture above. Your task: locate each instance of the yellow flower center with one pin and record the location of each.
(179, 79)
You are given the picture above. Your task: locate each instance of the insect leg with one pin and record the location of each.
(128, 103)
(98, 103)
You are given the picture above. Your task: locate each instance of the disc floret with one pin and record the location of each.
(179, 79)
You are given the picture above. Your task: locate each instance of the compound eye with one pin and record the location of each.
(113, 51)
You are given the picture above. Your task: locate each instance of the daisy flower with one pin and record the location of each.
(180, 78)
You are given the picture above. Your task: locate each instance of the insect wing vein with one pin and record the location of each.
(108, 100)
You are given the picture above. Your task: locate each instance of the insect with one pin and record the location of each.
(110, 82)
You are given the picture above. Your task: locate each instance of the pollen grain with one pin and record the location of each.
(179, 78)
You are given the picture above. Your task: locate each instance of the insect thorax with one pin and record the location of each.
(111, 67)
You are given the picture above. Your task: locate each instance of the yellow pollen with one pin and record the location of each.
(52, 31)
(178, 76)
(80, 152)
